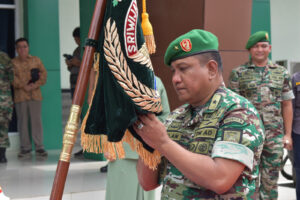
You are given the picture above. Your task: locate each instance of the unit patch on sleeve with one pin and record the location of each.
(232, 135)
(199, 147)
(233, 119)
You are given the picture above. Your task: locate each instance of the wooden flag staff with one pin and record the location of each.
(78, 99)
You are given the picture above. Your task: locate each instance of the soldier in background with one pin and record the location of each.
(6, 103)
(211, 146)
(268, 87)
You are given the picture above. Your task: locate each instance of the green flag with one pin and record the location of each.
(125, 85)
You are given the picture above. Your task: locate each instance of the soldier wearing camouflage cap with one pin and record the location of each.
(268, 87)
(6, 103)
(211, 145)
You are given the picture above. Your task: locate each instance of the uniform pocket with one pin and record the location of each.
(275, 92)
(249, 90)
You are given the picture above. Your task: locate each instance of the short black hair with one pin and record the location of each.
(21, 40)
(212, 55)
(76, 32)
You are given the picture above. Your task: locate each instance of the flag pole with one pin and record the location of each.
(77, 102)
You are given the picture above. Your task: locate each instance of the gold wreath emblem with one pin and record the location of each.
(146, 98)
(143, 57)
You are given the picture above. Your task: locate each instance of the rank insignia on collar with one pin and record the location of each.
(186, 45)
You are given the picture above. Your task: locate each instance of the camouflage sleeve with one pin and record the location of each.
(43, 73)
(240, 137)
(8, 67)
(10, 72)
(287, 91)
(233, 83)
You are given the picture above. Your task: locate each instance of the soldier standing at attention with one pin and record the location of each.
(6, 103)
(211, 146)
(268, 87)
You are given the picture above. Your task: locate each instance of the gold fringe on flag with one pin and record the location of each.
(148, 30)
(100, 144)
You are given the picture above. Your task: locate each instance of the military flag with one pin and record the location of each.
(125, 86)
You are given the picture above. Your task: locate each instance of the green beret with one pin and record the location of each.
(260, 36)
(194, 42)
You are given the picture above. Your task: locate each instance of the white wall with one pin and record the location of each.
(68, 20)
(285, 28)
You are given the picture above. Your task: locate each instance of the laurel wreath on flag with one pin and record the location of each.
(143, 96)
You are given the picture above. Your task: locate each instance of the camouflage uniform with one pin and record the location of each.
(6, 103)
(266, 87)
(227, 126)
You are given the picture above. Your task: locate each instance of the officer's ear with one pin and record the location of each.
(213, 70)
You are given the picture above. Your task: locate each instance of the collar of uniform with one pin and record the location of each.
(212, 105)
(251, 65)
(187, 115)
(191, 118)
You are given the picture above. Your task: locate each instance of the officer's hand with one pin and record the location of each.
(151, 130)
(288, 142)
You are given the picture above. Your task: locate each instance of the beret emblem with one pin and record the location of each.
(186, 45)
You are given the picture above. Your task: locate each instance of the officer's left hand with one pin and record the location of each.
(288, 142)
(152, 130)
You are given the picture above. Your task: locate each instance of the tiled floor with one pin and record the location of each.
(32, 179)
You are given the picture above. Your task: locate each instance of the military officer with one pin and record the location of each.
(6, 103)
(268, 87)
(211, 145)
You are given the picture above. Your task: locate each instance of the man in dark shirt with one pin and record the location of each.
(296, 129)
(74, 62)
(74, 66)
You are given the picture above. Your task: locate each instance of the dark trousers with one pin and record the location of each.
(296, 150)
(72, 92)
(30, 111)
